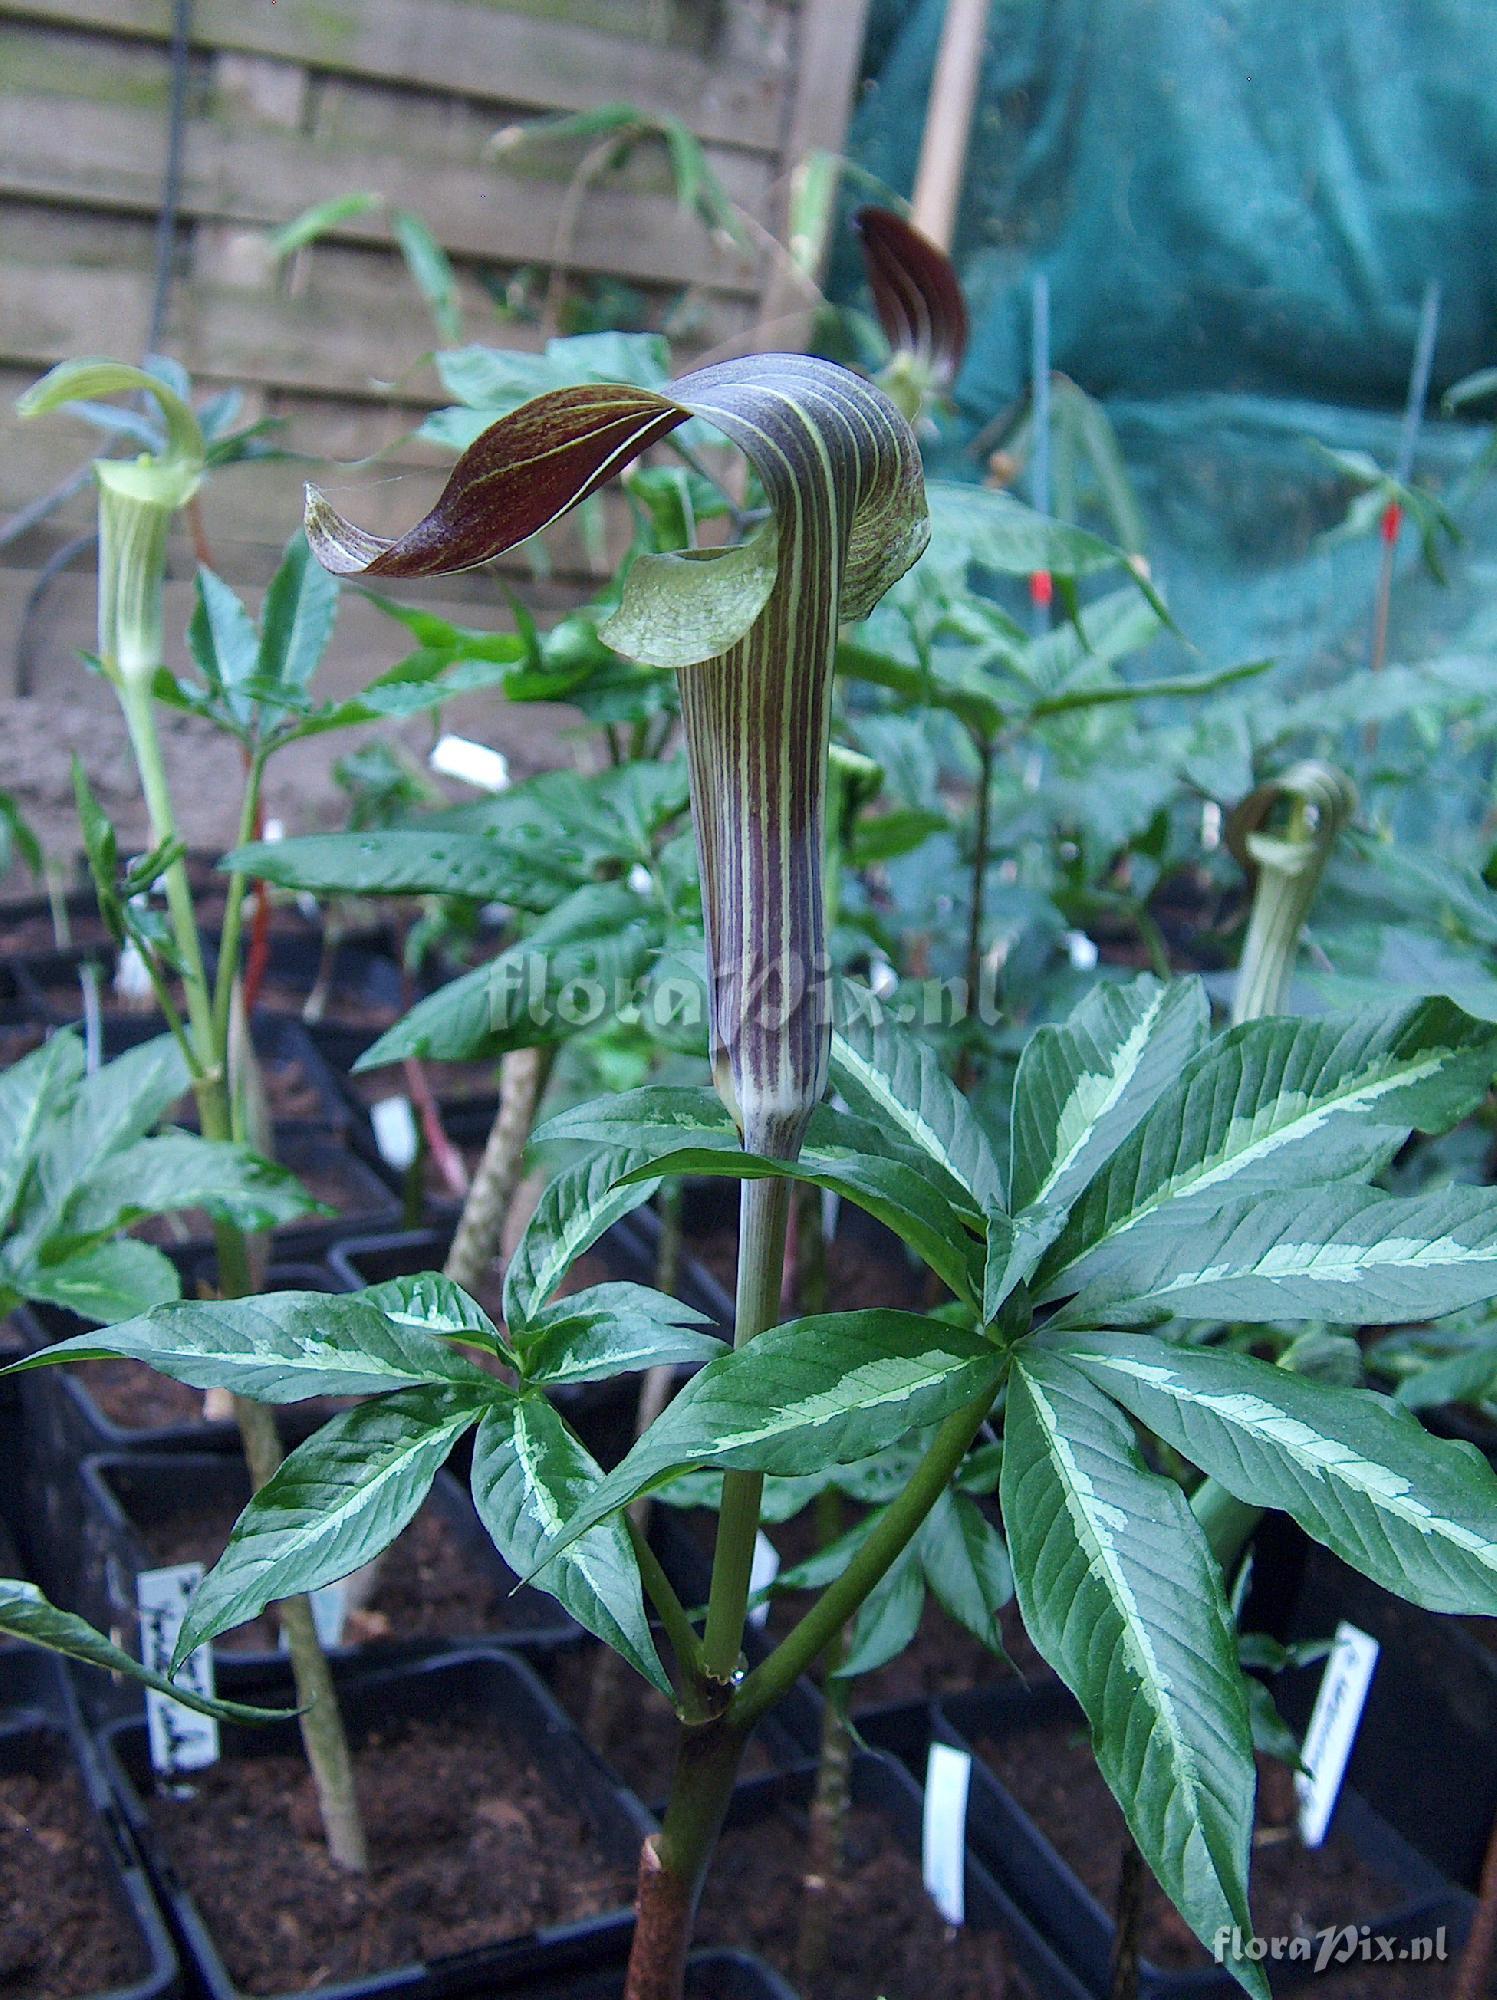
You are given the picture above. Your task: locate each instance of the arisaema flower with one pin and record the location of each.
(752, 630)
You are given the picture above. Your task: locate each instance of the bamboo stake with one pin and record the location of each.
(948, 121)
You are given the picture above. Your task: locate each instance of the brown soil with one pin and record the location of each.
(472, 1842)
(20, 937)
(888, 1938)
(136, 1398)
(427, 1586)
(1295, 1891)
(61, 1932)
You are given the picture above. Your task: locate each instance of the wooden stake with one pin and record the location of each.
(948, 120)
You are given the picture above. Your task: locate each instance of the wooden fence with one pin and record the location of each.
(293, 102)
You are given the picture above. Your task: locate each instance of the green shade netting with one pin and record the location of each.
(1238, 205)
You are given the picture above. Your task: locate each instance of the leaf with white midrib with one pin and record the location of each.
(1350, 1254)
(336, 1503)
(1120, 1593)
(1416, 1514)
(529, 1475)
(897, 1079)
(815, 1392)
(576, 1207)
(281, 1347)
(1282, 1103)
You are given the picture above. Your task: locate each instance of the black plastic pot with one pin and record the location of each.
(711, 1975)
(886, 1787)
(127, 1499)
(1063, 1909)
(1425, 1755)
(62, 1425)
(504, 1689)
(39, 1733)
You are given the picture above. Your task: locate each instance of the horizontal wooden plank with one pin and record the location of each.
(96, 156)
(476, 50)
(319, 342)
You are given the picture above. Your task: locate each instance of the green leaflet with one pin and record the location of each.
(1081, 1087)
(1122, 1596)
(966, 1566)
(334, 1504)
(803, 1396)
(575, 1208)
(279, 1348)
(106, 1282)
(571, 970)
(26, 1615)
(894, 1079)
(530, 1475)
(1348, 1254)
(180, 1171)
(888, 1619)
(435, 1305)
(27, 1088)
(1282, 1103)
(609, 1330)
(1417, 1515)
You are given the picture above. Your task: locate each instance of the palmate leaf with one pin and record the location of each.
(1121, 1594)
(1282, 1103)
(281, 1347)
(813, 1393)
(25, 1614)
(602, 936)
(575, 1208)
(1081, 1088)
(1417, 1515)
(530, 1475)
(612, 1329)
(334, 1504)
(1351, 1255)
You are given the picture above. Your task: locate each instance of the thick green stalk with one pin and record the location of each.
(233, 924)
(763, 1211)
(802, 1646)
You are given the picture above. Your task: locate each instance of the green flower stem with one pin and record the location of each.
(140, 720)
(804, 1644)
(323, 1734)
(763, 1211)
(233, 924)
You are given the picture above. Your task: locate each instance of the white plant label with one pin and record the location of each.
(181, 1739)
(1333, 1729)
(330, 1607)
(473, 763)
(943, 1846)
(765, 1568)
(395, 1133)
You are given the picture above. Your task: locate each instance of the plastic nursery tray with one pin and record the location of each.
(277, 1039)
(886, 1787)
(126, 1498)
(507, 1690)
(39, 1732)
(1061, 1907)
(61, 1425)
